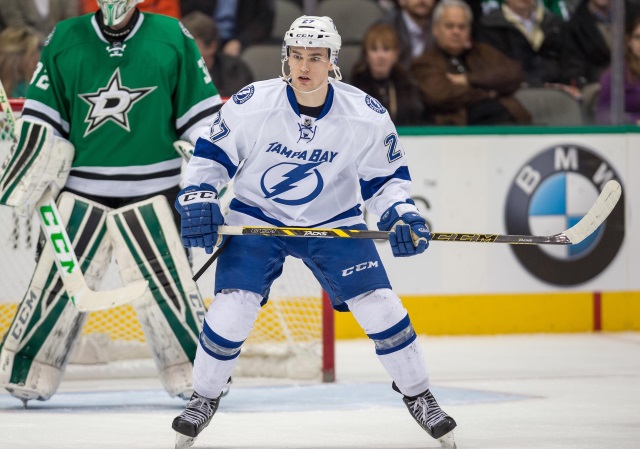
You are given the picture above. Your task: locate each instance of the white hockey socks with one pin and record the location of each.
(227, 325)
(385, 321)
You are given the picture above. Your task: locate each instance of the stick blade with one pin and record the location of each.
(598, 213)
(87, 300)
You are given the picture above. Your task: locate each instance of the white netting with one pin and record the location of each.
(286, 341)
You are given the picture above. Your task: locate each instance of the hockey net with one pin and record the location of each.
(293, 337)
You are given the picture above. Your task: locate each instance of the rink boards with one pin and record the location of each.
(534, 181)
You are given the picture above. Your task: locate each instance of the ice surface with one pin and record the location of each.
(574, 391)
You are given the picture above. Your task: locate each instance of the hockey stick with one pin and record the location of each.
(598, 213)
(600, 210)
(84, 299)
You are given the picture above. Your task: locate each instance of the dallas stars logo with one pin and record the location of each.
(112, 103)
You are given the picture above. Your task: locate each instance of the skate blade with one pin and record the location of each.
(183, 441)
(447, 441)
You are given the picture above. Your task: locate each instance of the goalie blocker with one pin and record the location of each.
(46, 327)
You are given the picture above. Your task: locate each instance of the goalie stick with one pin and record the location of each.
(84, 298)
(596, 215)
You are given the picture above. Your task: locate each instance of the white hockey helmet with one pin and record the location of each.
(313, 31)
(114, 11)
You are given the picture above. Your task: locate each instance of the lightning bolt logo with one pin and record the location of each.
(291, 181)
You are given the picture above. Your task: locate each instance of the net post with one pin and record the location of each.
(328, 340)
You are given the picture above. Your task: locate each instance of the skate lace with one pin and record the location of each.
(199, 410)
(427, 411)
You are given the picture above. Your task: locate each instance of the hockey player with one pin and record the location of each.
(112, 91)
(312, 149)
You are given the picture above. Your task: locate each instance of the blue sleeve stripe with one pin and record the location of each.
(218, 340)
(393, 330)
(207, 150)
(373, 186)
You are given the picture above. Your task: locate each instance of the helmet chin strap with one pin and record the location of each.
(286, 78)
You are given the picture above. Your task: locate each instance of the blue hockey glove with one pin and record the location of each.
(201, 216)
(409, 232)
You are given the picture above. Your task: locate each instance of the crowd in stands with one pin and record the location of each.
(429, 62)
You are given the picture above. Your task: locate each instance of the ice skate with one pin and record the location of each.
(426, 411)
(226, 388)
(194, 419)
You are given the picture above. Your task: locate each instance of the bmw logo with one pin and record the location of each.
(551, 193)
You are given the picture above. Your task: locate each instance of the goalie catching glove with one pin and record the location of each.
(409, 232)
(199, 209)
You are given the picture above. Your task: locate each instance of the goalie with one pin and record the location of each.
(112, 92)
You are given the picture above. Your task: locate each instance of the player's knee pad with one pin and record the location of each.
(229, 322)
(47, 325)
(387, 323)
(384, 319)
(40, 160)
(233, 314)
(171, 313)
(227, 325)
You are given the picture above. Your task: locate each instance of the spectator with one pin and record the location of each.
(590, 31)
(388, 5)
(229, 74)
(379, 75)
(561, 8)
(165, 7)
(525, 31)
(19, 54)
(591, 34)
(631, 80)
(477, 11)
(465, 83)
(42, 15)
(240, 23)
(412, 22)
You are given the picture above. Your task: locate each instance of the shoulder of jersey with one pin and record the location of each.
(259, 95)
(70, 32)
(353, 102)
(170, 24)
(165, 28)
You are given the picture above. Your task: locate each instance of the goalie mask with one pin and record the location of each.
(315, 32)
(114, 11)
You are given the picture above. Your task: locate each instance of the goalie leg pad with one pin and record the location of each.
(385, 320)
(38, 160)
(37, 346)
(171, 313)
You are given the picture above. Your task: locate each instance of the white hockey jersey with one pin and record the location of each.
(300, 170)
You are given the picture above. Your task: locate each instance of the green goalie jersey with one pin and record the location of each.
(122, 105)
